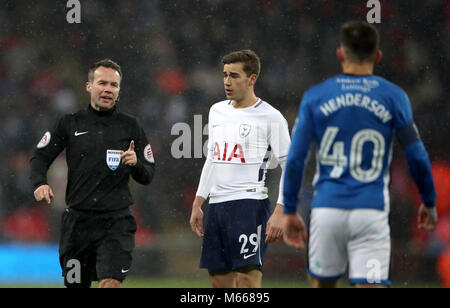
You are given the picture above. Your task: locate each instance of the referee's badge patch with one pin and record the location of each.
(112, 159)
(148, 154)
(45, 140)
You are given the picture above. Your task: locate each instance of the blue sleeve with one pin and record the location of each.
(420, 168)
(416, 154)
(402, 109)
(298, 152)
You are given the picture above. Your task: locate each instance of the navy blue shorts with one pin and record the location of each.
(235, 234)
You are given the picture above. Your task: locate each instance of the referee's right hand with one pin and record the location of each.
(44, 192)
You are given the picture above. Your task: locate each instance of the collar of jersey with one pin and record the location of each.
(354, 75)
(102, 114)
(258, 102)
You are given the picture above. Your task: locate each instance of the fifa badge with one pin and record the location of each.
(112, 159)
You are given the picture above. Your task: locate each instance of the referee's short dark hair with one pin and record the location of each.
(108, 63)
(360, 41)
(252, 63)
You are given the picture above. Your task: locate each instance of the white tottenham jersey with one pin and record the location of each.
(242, 142)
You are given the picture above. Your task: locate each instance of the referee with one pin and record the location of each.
(103, 148)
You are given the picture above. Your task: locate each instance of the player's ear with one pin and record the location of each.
(340, 54)
(253, 78)
(378, 56)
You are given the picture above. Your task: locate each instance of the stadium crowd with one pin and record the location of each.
(170, 54)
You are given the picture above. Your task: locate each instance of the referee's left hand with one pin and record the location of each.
(129, 157)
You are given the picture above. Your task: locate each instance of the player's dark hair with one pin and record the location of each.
(360, 41)
(108, 63)
(252, 64)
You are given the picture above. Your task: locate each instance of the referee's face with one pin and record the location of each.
(104, 88)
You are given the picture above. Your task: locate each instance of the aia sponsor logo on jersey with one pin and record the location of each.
(222, 153)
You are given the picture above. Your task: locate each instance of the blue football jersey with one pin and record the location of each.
(352, 119)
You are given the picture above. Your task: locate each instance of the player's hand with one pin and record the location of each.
(129, 156)
(274, 228)
(427, 218)
(44, 192)
(196, 220)
(294, 231)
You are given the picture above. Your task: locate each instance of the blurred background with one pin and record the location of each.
(170, 55)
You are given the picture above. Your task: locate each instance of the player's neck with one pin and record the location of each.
(248, 101)
(357, 69)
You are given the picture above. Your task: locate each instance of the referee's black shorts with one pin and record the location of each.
(96, 246)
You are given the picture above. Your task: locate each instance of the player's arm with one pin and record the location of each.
(139, 157)
(274, 228)
(196, 220)
(48, 148)
(204, 187)
(206, 179)
(297, 157)
(417, 159)
(420, 169)
(294, 229)
(279, 141)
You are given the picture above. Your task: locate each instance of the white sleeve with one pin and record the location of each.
(279, 138)
(207, 178)
(282, 162)
(280, 142)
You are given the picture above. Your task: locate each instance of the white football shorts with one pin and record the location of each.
(358, 238)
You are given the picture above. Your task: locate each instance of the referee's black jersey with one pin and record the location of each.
(96, 181)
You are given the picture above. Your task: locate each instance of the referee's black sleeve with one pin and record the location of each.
(48, 148)
(144, 170)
